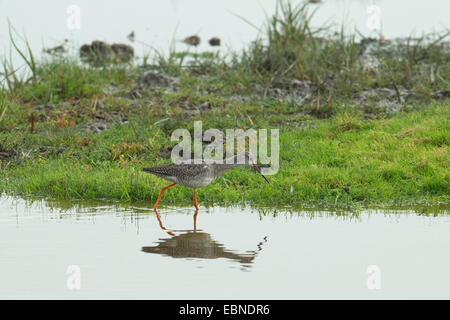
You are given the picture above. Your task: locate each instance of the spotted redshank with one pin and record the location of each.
(200, 175)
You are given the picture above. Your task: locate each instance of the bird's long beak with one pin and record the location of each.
(259, 171)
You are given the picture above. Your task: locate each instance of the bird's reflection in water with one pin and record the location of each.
(199, 245)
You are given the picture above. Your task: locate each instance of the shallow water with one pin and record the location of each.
(231, 253)
(157, 23)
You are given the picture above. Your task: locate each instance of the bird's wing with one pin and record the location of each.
(174, 170)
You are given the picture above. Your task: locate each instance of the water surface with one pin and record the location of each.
(230, 253)
(158, 24)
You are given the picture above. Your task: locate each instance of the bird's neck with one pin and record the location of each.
(228, 164)
(221, 168)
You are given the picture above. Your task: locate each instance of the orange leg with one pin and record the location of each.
(161, 225)
(160, 194)
(195, 221)
(195, 199)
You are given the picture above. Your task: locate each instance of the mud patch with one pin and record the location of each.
(158, 80)
(104, 120)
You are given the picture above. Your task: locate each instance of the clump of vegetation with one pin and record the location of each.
(339, 65)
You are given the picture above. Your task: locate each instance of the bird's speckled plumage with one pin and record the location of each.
(199, 175)
(189, 175)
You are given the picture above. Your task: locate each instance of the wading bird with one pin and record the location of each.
(200, 175)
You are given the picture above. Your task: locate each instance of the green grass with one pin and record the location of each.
(344, 162)
(334, 150)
